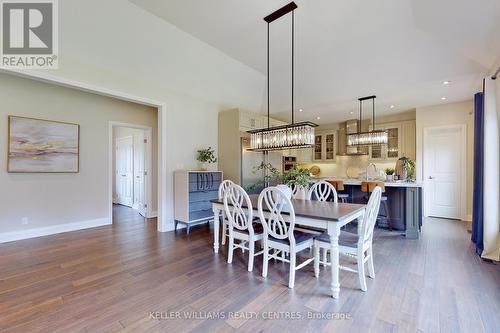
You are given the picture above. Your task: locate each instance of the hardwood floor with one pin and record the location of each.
(110, 278)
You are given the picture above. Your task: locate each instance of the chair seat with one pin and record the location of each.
(342, 195)
(257, 229)
(309, 229)
(300, 237)
(348, 239)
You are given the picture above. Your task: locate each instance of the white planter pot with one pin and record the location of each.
(203, 166)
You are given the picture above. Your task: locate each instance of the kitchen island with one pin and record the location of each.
(404, 201)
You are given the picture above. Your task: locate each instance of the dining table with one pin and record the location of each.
(324, 215)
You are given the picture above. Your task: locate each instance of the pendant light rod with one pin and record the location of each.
(268, 78)
(293, 70)
(361, 99)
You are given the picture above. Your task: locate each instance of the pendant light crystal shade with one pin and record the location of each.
(375, 137)
(298, 135)
(367, 138)
(294, 135)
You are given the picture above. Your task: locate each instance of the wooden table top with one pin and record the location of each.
(329, 211)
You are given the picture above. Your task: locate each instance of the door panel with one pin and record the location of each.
(442, 171)
(124, 171)
(139, 169)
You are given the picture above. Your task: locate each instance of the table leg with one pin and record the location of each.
(334, 253)
(216, 229)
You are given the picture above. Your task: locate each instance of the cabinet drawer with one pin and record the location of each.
(203, 196)
(204, 186)
(204, 181)
(194, 177)
(200, 205)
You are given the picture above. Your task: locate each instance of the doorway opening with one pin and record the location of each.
(132, 169)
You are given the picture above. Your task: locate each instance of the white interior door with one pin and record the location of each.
(139, 174)
(443, 160)
(124, 171)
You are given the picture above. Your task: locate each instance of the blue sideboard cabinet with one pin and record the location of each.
(193, 191)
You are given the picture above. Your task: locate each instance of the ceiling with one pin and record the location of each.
(399, 50)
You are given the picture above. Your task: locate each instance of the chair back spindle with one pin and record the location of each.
(371, 213)
(238, 208)
(322, 191)
(274, 202)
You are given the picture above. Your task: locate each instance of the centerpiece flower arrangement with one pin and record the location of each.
(296, 176)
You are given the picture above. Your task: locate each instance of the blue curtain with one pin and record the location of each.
(477, 208)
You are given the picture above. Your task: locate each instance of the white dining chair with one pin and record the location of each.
(279, 234)
(322, 191)
(297, 191)
(239, 213)
(222, 189)
(358, 246)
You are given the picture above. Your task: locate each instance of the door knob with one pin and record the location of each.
(430, 177)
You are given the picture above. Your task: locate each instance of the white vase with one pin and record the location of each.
(301, 193)
(203, 166)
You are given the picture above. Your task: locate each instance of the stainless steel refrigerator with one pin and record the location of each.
(250, 160)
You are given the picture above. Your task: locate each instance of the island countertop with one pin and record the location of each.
(348, 181)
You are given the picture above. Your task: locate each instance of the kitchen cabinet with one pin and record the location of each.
(401, 142)
(408, 147)
(250, 121)
(325, 146)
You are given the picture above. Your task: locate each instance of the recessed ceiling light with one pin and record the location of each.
(352, 112)
(446, 82)
(300, 110)
(392, 106)
(443, 98)
(318, 118)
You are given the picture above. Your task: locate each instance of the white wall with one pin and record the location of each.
(116, 45)
(449, 114)
(48, 200)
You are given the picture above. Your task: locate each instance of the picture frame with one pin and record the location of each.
(42, 146)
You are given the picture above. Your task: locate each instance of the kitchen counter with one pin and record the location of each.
(348, 181)
(404, 200)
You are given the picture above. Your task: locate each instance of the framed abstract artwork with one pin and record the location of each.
(42, 146)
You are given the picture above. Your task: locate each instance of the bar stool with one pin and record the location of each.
(339, 186)
(368, 187)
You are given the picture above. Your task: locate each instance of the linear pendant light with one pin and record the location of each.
(373, 137)
(291, 136)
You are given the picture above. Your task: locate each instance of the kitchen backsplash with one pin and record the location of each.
(339, 169)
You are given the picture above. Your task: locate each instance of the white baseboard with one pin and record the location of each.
(153, 214)
(53, 229)
(468, 218)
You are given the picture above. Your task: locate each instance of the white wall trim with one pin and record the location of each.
(153, 214)
(463, 167)
(51, 230)
(162, 125)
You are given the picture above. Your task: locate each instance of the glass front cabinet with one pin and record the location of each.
(392, 150)
(325, 147)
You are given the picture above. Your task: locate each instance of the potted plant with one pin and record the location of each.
(389, 174)
(296, 176)
(406, 168)
(206, 156)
